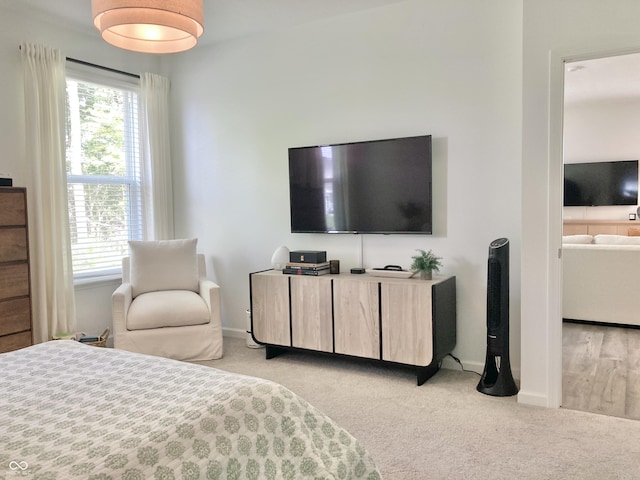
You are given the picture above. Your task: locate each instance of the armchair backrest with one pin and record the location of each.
(126, 268)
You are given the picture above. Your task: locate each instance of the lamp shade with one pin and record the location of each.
(149, 26)
(280, 258)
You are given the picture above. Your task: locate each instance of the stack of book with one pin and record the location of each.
(303, 268)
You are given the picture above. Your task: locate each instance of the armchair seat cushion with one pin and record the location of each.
(169, 308)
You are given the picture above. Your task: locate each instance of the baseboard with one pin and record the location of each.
(450, 364)
(534, 399)
(234, 333)
(477, 367)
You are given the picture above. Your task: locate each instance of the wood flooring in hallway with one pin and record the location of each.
(601, 369)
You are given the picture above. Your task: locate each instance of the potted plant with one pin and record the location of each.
(426, 263)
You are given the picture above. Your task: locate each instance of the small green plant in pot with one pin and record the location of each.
(426, 263)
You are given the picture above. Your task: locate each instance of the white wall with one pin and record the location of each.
(553, 31)
(450, 69)
(18, 24)
(600, 131)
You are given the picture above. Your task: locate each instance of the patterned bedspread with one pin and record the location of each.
(69, 410)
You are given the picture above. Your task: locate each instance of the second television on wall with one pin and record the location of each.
(379, 186)
(601, 183)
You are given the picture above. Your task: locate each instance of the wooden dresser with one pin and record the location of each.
(15, 291)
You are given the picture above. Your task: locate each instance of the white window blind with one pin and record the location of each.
(103, 170)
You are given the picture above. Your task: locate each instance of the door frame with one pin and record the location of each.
(557, 61)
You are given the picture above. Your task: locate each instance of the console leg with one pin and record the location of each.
(425, 373)
(271, 351)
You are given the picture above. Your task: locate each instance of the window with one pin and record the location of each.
(103, 169)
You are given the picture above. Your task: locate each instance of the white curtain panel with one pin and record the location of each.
(52, 294)
(156, 170)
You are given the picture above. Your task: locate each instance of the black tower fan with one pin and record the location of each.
(497, 379)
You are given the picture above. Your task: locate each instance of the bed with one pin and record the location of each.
(69, 410)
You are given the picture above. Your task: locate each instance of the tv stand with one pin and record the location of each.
(401, 321)
(595, 227)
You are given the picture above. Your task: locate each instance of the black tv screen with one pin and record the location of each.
(601, 183)
(380, 186)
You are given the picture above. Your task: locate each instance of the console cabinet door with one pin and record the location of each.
(311, 322)
(356, 318)
(406, 323)
(270, 308)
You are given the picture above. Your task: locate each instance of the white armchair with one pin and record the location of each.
(166, 306)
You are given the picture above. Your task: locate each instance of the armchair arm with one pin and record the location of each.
(120, 302)
(210, 293)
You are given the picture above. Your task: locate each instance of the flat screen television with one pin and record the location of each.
(601, 183)
(379, 186)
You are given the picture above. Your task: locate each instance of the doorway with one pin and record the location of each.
(601, 112)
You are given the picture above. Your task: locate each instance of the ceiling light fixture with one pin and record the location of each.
(149, 26)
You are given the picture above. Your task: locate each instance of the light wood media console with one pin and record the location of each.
(596, 227)
(404, 321)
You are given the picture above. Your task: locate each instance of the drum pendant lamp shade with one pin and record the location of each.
(149, 26)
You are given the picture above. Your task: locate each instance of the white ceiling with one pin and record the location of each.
(223, 19)
(616, 78)
(611, 77)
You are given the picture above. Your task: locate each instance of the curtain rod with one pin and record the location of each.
(88, 64)
(108, 69)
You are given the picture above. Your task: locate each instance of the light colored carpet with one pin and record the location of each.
(445, 429)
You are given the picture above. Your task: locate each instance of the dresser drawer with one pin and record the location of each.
(14, 342)
(13, 211)
(14, 280)
(15, 316)
(13, 244)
